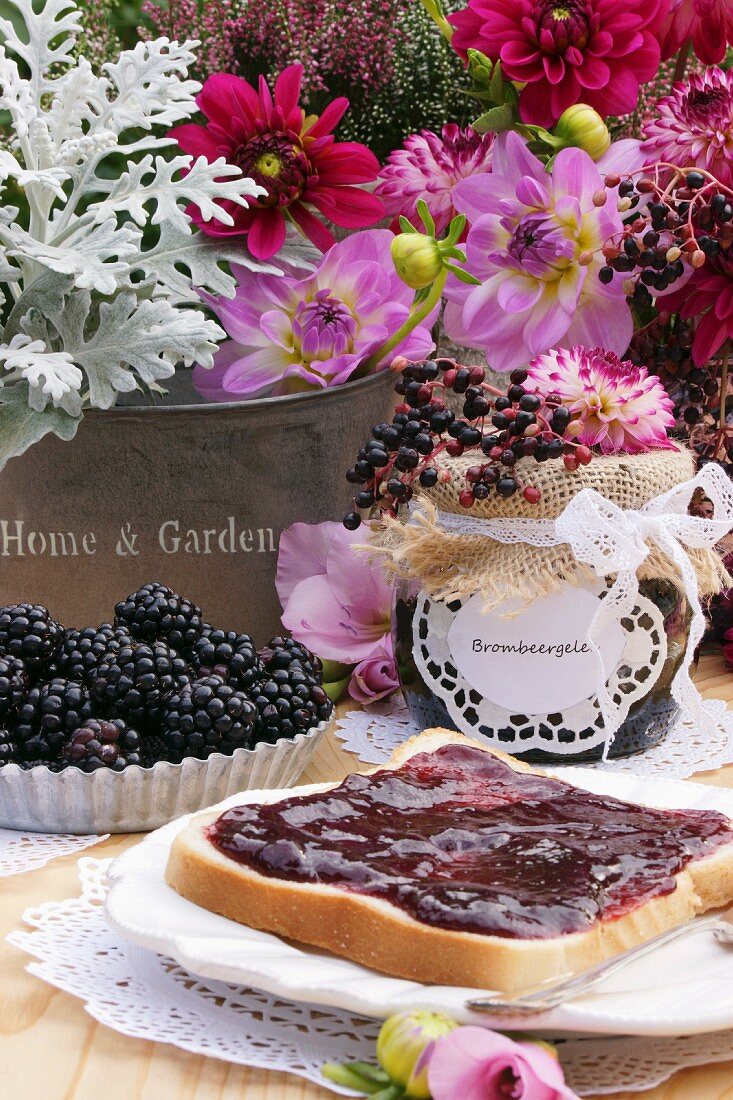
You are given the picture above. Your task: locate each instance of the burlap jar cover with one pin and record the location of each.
(605, 528)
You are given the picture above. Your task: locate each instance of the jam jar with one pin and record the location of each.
(650, 715)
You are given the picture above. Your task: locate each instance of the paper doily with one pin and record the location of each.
(580, 726)
(25, 851)
(144, 995)
(373, 733)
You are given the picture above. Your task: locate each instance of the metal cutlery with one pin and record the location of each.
(546, 996)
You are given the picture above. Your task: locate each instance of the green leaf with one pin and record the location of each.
(426, 217)
(496, 87)
(47, 294)
(21, 426)
(496, 120)
(463, 276)
(130, 338)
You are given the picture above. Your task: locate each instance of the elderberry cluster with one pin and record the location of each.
(501, 427)
(670, 225)
(664, 348)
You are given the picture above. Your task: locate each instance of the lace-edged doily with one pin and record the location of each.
(146, 996)
(372, 735)
(26, 851)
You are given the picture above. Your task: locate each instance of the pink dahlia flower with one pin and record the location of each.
(293, 157)
(429, 167)
(535, 242)
(619, 408)
(338, 602)
(694, 125)
(708, 297)
(294, 332)
(709, 23)
(472, 1063)
(573, 51)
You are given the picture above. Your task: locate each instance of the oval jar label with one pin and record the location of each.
(533, 659)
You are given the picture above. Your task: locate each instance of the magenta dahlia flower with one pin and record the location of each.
(617, 407)
(535, 242)
(707, 297)
(291, 333)
(566, 51)
(694, 125)
(429, 167)
(293, 157)
(708, 23)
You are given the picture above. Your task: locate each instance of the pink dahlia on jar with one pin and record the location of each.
(616, 407)
(707, 23)
(535, 243)
(694, 125)
(295, 159)
(566, 51)
(428, 167)
(290, 333)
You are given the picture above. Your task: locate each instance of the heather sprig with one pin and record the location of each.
(386, 56)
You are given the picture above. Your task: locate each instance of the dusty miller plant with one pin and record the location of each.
(90, 307)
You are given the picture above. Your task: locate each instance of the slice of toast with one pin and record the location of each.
(378, 934)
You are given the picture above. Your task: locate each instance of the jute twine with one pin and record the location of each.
(455, 566)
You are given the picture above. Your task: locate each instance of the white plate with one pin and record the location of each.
(681, 989)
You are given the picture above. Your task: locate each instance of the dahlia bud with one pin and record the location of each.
(583, 127)
(480, 69)
(417, 259)
(404, 1047)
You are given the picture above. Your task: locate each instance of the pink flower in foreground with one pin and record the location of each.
(472, 1063)
(535, 242)
(709, 23)
(708, 297)
(338, 602)
(295, 158)
(579, 51)
(694, 125)
(428, 167)
(621, 408)
(375, 676)
(290, 333)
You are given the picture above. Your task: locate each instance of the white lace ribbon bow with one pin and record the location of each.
(611, 540)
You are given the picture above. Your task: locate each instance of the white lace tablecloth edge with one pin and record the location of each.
(143, 995)
(23, 851)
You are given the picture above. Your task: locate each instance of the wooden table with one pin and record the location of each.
(50, 1049)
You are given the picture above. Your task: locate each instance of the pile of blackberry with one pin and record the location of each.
(155, 684)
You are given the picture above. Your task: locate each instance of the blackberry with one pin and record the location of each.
(52, 765)
(155, 612)
(14, 686)
(281, 653)
(8, 749)
(207, 716)
(49, 715)
(82, 650)
(154, 749)
(28, 631)
(289, 701)
(100, 743)
(217, 650)
(133, 682)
